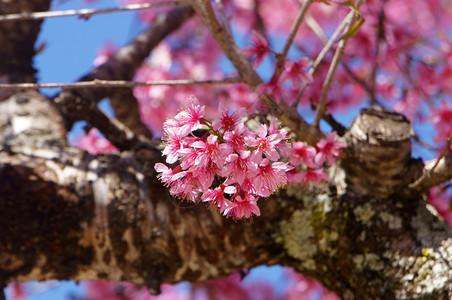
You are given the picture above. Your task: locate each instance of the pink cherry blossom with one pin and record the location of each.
(310, 176)
(236, 167)
(228, 121)
(265, 144)
(244, 206)
(191, 117)
(295, 72)
(273, 88)
(259, 50)
(94, 142)
(302, 154)
(217, 199)
(328, 149)
(237, 138)
(211, 151)
(267, 177)
(173, 143)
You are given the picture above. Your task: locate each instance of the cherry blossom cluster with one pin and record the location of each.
(229, 166)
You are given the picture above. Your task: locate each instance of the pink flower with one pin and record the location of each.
(228, 121)
(328, 149)
(211, 151)
(267, 178)
(237, 138)
(272, 88)
(166, 174)
(243, 207)
(302, 154)
(94, 142)
(294, 71)
(191, 117)
(216, 197)
(264, 144)
(312, 176)
(236, 167)
(173, 143)
(442, 120)
(186, 186)
(259, 50)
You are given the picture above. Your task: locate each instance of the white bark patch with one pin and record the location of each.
(364, 213)
(20, 124)
(368, 260)
(297, 233)
(394, 222)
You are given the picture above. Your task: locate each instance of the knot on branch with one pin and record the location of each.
(379, 153)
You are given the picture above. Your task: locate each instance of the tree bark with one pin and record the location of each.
(65, 214)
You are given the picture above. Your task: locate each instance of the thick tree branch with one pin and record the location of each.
(70, 215)
(17, 41)
(283, 112)
(126, 109)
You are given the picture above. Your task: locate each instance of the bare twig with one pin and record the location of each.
(380, 38)
(315, 27)
(428, 172)
(293, 32)
(323, 52)
(329, 77)
(86, 12)
(98, 83)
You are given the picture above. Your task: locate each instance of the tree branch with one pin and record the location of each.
(435, 171)
(282, 111)
(86, 12)
(99, 83)
(126, 109)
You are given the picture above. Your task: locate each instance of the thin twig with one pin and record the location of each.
(380, 38)
(427, 173)
(334, 63)
(293, 32)
(316, 28)
(98, 83)
(86, 12)
(323, 52)
(329, 76)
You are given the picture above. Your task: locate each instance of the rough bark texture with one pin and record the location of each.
(65, 214)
